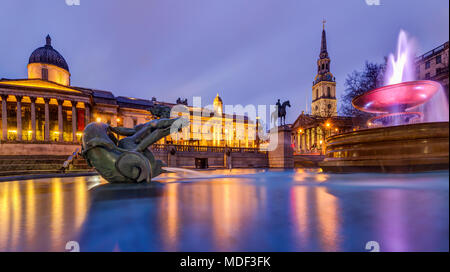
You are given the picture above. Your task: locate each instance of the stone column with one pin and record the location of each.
(74, 121)
(33, 118)
(300, 139)
(4, 118)
(19, 117)
(60, 120)
(309, 138)
(315, 138)
(87, 114)
(47, 120)
(282, 156)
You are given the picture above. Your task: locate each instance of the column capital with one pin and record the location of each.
(33, 99)
(4, 96)
(60, 101)
(46, 100)
(19, 98)
(74, 103)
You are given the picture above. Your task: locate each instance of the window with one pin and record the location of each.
(427, 76)
(323, 66)
(427, 65)
(329, 106)
(438, 59)
(317, 93)
(44, 72)
(328, 92)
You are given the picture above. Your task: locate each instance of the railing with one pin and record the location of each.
(432, 52)
(213, 149)
(70, 160)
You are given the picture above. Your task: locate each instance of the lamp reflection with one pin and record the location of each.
(41, 215)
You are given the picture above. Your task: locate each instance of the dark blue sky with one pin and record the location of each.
(250, 51)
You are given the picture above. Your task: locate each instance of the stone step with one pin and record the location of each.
(43, 164)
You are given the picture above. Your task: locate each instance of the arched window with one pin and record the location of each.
(317, 93)
(328, 92)
(323, 66)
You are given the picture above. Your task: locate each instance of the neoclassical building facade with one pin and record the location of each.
(46, 109)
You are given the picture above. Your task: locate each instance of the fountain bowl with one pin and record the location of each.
(396, 97)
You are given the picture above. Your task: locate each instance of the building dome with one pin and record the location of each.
(217, 100)
(47, 54)
(218, 104)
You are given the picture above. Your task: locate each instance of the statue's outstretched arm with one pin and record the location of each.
(123, 131)
(162, 130)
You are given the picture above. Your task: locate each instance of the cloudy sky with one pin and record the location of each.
(248, 51)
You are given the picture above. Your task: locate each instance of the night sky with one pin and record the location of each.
(249, 51)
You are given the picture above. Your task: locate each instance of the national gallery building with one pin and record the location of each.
(46, 108)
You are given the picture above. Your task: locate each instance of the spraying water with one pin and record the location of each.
(401, 68)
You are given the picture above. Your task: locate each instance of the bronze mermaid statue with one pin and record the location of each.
(127, 160)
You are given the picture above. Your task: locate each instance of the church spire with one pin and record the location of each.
(323, 45)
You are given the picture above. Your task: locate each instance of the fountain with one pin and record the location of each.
(409, 134)
(396, 101)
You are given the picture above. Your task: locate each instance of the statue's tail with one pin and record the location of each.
(135, 166)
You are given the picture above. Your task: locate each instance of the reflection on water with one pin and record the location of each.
(241, 210)
(43, 214)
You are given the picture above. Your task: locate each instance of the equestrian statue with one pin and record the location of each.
(281, 110)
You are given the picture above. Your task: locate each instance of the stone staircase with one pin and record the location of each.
(40, 164)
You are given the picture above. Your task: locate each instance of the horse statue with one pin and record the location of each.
(281, 110)
(127, 160)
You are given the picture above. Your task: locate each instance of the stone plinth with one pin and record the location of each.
(282, 156)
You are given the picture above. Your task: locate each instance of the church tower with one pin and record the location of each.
(324, 86)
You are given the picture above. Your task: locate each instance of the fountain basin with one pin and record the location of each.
(405, 148)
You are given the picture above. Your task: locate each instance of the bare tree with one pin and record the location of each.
(360, 82)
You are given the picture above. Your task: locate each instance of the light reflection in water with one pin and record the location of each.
(42, 215)
(244, 210)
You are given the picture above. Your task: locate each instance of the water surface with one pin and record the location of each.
(223, 210)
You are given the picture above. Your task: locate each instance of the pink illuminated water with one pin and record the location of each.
(401, 68)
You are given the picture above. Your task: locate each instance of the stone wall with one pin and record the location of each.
(26, 149)
(215, 159)
(240, 158)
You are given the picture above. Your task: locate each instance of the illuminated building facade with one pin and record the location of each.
(433, 65)
(46, 108)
